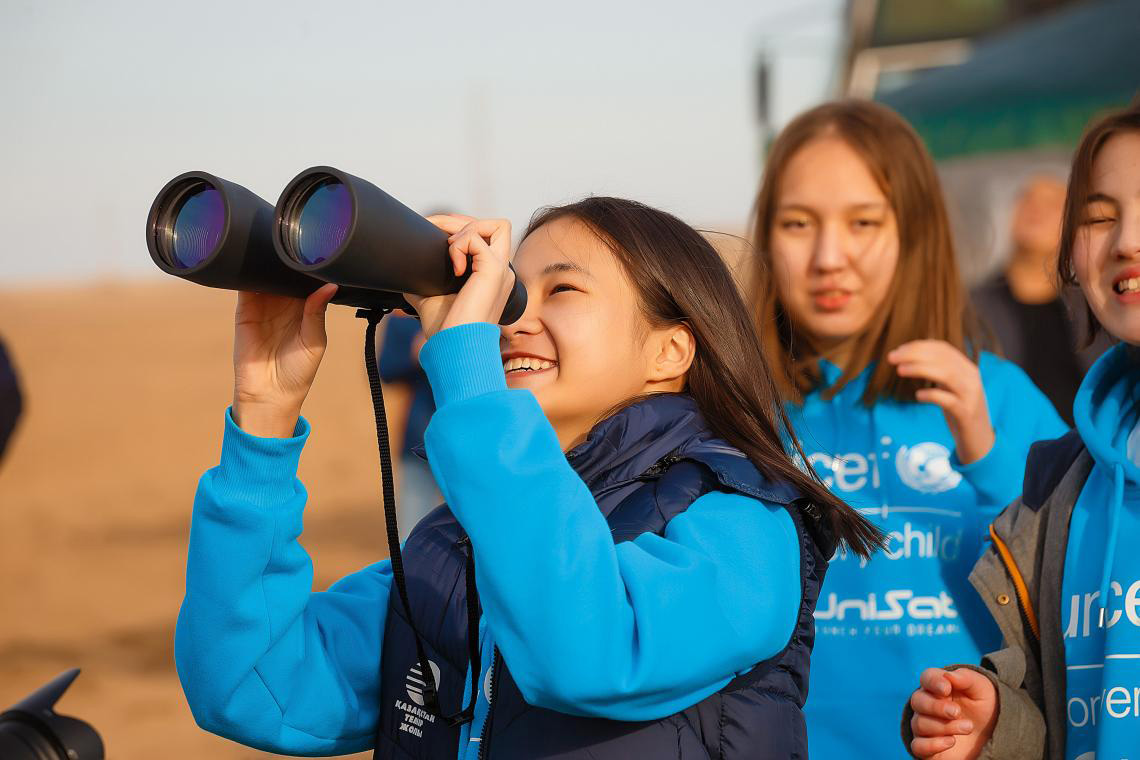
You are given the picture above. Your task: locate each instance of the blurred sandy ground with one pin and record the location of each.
(125, 387)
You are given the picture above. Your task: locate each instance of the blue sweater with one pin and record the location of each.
(879, 623)
(1102, 569)
(596, 627)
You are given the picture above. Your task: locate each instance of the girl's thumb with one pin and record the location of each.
(969, 682)
(313, 315)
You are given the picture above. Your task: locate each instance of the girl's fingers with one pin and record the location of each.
(935, 372)
(450, 223)
(502, 233)
(496, 232)
(487, 227)
(942, 398)
(469, 244)
(458, 260)
(934, 680)
(926, 725)
(933, 353)
(925, 703)
(480, 247)
(972, 684)
(930, 746)
(918, 349)
(313, 335)
(320, 298)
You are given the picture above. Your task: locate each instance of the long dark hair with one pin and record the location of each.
(1076, 196)
(939, 310)
(680, 279)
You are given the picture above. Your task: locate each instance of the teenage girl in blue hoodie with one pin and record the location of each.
(1066, 685)
(628, 559)
(864, 318)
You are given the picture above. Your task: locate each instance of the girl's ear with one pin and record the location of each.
(672, 352)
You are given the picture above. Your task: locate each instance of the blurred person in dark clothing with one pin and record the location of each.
(10, 401)
(1037, 325)
(399, 363)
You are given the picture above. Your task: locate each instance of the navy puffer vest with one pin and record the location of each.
(644, 466)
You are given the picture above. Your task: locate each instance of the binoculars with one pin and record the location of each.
(327, 226)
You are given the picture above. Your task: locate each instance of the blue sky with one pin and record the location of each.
(494, 108)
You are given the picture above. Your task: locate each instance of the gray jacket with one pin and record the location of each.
(1019, 578)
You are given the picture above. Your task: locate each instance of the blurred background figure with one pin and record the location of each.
(1036, 325)
(11, 403)
(417, 493)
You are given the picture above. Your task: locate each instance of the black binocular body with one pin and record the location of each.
(327, 226)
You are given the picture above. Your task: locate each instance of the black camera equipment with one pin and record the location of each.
(328, 226)
(32, 730)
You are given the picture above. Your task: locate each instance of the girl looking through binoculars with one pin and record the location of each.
(628, 559)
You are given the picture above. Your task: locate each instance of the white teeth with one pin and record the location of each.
(1130, 285)
(526, 363)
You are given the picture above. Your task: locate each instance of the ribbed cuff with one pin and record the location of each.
(462, 362)
(260, 471)
(996, 476)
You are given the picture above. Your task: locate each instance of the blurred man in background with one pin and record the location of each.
(10, 401)
(1038, 326)
(399, 364)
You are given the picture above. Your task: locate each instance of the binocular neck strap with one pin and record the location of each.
(431, 696)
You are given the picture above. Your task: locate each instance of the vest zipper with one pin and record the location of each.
(485, 731)
(658, 468)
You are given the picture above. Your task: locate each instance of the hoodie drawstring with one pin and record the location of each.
(1114, 508)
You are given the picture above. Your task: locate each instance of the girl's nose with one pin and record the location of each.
(829, 253)
(528, 323)
(1128, 238)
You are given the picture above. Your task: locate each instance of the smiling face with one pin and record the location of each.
(1106, 247)
(834, 244)
(583, 345)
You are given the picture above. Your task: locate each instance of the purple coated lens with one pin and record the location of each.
(324, 221)
(198, 227)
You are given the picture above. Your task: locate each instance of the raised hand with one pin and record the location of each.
(278, 346)
(482, 298)
(958, 392)
(954, 714)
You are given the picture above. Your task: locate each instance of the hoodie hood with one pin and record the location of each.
(1106, 412)
(1107, 409)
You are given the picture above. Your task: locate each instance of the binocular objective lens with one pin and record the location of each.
(324, 221)
(198, 226)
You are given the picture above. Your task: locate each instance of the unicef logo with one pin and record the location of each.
(415, 682)
(926, 467)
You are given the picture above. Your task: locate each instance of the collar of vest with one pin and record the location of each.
(646, 437)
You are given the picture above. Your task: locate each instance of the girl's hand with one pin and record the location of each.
(488, 244)
(278, 345)
(954, 714)
(959, 392)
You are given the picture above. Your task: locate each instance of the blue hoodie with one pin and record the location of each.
(1100, 590)
(631, 631)
(879, 623)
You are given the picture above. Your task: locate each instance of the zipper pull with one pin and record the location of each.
(656, 469)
